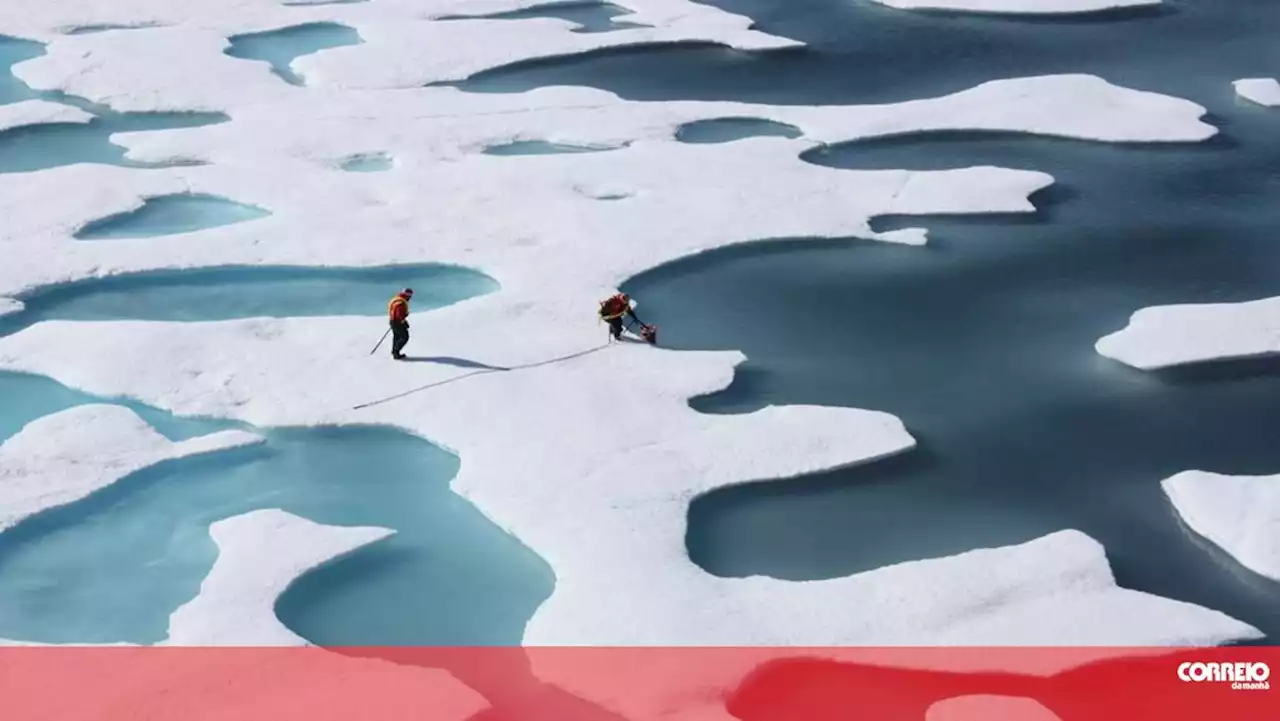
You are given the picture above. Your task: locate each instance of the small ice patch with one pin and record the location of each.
(1239, 514)
(1263, 91)
(171, 215)
(1171, 335)
(10, 306)
(40, 112)
(259, 554)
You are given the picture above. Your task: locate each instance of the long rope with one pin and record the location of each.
(482, 371)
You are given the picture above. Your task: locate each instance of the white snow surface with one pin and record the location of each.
(39, 112)
(1019, 7)
(1171, 335)
(64, 457)
(10, 306)
(1239, 514)
(594, 473)
(1263, 91)
(439, 202)
(259, 555)
(989, 708)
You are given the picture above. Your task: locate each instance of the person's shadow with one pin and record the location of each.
(451, 361)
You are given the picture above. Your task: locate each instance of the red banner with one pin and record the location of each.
(613, 684)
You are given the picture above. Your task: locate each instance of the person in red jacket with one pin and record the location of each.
(619, 306)
(398, 315)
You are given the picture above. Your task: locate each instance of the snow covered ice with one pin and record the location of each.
(1240, 514)
(1165, 336)
(1263, 91)
(64, 457)
(556, 231)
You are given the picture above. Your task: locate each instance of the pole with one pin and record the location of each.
(384, 337)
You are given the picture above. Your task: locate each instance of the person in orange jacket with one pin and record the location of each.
(398, 315)
(619, 306)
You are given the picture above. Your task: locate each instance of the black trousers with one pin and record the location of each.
(399, 336)
(615, 327)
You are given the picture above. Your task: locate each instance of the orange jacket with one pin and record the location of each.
(398, 308)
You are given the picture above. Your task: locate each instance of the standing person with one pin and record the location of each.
(618, 306)
(398, 315)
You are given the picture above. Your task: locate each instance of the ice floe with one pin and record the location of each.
(10, 306)
(595, 476)
(1263, 91)
(1239, 514)
(259, 555)
(39, 112)
(64, 457)
(403, 47)
(1171, 335)
(674, 189)
(1020, 7)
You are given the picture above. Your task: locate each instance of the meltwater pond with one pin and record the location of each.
(114, 566)
(171, 215)
(247, 292)
(859, 51)
(38, 147)
(279, 48)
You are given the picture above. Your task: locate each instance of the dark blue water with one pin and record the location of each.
(279, 48)
(862, 52)
(591, 17)
(727, 130)
(983, 341)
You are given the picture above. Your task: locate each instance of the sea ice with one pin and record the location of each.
(1263, 91)
(1170, 335)
(598, 483)
(1239, 514)
(259, 555)
(10, 306)
(66, 456)
(675, 188)
(1019, 7)
(39, 112)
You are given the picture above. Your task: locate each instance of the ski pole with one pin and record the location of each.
(384, 337)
